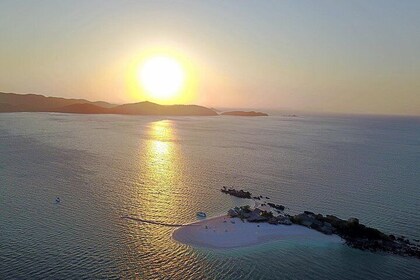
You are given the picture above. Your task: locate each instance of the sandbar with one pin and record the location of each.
(224, 232)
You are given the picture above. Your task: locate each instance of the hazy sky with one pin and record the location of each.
(329, 56)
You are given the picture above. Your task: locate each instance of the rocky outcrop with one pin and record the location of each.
(258, 216)
(237, 193)
(357, 235)
(276, 206)
(354, 233)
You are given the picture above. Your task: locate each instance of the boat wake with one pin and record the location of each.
(155, 222)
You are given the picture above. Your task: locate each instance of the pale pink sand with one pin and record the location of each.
(220, 234)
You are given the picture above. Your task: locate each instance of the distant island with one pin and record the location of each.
(11, 102)
(244, 114)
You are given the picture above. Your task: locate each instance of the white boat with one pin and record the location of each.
(201, 214)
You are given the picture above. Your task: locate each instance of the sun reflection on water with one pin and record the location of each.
(161, 158)
(161, 191)
(161, 148)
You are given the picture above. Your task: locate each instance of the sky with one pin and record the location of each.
(321, 56)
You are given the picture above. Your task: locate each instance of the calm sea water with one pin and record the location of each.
(104, 167)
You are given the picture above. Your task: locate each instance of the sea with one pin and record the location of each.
(166, 169)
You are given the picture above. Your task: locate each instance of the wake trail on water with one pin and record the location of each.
(155, 222)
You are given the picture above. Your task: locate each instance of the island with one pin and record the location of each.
(11, 102)
(245, 225)
(244, 114)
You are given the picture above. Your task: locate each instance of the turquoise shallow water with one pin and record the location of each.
(103, 167)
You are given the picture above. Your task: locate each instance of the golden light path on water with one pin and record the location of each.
(159, 196)
(162, 167)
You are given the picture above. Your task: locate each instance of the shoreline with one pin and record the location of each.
(224, 232)
(354, 233)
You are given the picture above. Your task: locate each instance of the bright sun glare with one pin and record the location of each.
(162, 77)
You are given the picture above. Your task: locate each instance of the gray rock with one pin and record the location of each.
(326, 229)
(316, 223)
(354, 221)
(232, 213)
(246, 215)
(309, 213)
(306, 223)
(284, 221)
(273, 221)
(304, 219)
(255, 216)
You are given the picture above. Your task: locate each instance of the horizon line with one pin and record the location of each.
(220, 108)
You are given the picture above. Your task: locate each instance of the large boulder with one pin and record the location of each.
(273, 221)
(306, 223)
(245, 215)
(255, 216)
(316, 224)
(284, 220)
(326, 228)
(276, 206)
(353, 221)
(304, 219)
(333, 219)
(309, 213)
(232, 213)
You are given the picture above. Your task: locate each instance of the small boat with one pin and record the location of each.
(201, 214)
(57, 200)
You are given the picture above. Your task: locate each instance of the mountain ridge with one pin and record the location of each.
(12, 102)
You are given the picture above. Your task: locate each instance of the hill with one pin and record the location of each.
(39, 103)
(149, 108)
(83, 108)
(11, 102)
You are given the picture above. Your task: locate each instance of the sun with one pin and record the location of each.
(161, 77)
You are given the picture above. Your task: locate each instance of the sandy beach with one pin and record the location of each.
(225, 232)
